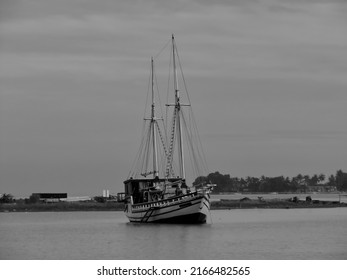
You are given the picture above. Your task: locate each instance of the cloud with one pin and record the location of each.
(223, 38)
(73, 75)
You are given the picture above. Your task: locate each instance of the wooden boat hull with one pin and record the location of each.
(187, 209)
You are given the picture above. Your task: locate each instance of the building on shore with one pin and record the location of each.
(50, 197)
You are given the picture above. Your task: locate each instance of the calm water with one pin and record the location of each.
(233, 234)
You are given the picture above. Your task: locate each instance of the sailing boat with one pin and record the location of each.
(165, 197)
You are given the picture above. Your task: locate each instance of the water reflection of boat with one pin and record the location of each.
(165, 197)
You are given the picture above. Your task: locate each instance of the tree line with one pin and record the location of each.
(299, 183)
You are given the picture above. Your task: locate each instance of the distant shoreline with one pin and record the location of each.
(274, 204)
(215, 205)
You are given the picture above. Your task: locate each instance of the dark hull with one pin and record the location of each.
(196, 218)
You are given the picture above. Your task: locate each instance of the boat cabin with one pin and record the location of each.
(148, 190)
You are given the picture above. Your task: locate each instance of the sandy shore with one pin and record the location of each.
(62, 206)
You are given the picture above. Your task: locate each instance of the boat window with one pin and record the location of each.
(144, 185)
(131, 187)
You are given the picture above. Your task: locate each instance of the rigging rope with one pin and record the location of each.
(193, 122)
(163, 48)
(167, 136)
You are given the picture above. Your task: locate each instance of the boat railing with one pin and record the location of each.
(166, 202)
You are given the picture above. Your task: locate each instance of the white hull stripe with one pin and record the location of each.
(176, 204)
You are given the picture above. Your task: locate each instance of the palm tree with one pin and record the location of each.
(332, 181)
(307, 182)
(321, 177)
(314, 180)
(6, 198)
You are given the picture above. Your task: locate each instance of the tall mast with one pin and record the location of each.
(178, 115)
(153, 122)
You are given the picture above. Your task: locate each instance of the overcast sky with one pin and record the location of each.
(267, 79)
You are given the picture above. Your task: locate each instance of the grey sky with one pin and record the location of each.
(267, 79)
